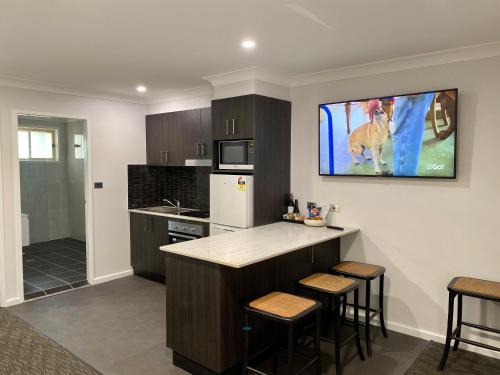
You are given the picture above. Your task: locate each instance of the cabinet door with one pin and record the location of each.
(154, 145)
(172, 139)
(222, 113)
(190, 135)
(206, 133)
(158, 237)
(243, 119)
(139, 241)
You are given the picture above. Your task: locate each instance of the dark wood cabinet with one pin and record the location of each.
(233, 118)
(173, 137)
(147, 234)
(206, 133)
(154, 131)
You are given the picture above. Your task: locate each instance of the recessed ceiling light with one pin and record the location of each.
(141, 88)
(248, 44)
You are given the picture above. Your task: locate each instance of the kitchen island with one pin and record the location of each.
(209, 280)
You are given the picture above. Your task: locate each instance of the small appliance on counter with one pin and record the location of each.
(231, 203)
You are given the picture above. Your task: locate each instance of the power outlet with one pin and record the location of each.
(335, 207)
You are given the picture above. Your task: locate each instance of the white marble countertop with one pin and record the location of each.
(174, 216)
(249, 246)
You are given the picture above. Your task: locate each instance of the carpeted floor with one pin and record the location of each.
(460, 362)
(25, 351)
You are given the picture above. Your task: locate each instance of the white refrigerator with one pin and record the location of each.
(231, 203)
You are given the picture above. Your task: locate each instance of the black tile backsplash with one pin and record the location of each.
(149, 185)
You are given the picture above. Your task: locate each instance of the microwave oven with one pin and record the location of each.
(236, 155)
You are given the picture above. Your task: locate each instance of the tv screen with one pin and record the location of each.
(412, 135)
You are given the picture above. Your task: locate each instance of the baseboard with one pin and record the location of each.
(14, 301)
(113, 276)
(428, 335)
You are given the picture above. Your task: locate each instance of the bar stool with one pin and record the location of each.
(366, 272)
(466, 286)
(336, 287)
(286, 309)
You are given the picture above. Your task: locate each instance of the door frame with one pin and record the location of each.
(89, 206)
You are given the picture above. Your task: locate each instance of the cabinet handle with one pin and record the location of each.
(166, 157)
(227, 127)
(150, 225)
(161, 157)
(234, 132)
(146, 224)
(197, 149)
(203, 149)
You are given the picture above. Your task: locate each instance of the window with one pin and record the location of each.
(37, 144)
(78, 142)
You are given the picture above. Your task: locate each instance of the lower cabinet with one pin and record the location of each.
(147, 234)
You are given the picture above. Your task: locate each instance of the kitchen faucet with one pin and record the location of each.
(178, 205)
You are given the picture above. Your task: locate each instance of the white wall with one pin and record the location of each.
(423, 231)
(117, 138)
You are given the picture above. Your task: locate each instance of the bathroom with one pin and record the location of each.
(52, 153)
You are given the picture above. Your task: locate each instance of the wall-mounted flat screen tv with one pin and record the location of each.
(413, 135)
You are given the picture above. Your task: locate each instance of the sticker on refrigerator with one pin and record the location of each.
(241, 184)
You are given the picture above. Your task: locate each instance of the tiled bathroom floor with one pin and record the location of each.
(54, 266)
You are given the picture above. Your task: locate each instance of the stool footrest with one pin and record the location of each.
(307, 365)
(483, 328)
(344, 342)
(255, 371)
(372, 316)
(476, 343)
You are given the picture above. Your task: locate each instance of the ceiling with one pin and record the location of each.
(168, 45)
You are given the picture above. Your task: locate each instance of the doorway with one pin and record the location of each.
(52, 153)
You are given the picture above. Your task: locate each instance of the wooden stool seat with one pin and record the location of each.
(329, 283)
(283, 305)
(476, 288)
(358, 270)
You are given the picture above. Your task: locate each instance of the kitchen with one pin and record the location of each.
(178, 196)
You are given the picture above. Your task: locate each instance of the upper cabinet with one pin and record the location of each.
(173, 137)
(233, 118)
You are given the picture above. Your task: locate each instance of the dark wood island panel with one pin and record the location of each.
(205, 303)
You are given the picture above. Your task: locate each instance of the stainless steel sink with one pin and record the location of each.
(167, 210)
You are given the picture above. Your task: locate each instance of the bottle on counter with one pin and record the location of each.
(296, 210)
(291, 206)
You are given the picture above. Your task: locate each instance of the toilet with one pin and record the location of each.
(25, 227)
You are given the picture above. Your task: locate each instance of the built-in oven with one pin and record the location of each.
(180, 232)
(236, 155)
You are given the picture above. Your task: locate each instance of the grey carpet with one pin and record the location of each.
(461, 362)
(23, 350)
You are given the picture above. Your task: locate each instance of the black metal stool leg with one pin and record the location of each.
(344, 308)
(246, 330)
(381, 305)
(449, 331)
(291, 344)
(337, 327)
(459, 322)
(356, 324)
(367, 320)
(275, 350)
(317, 353)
